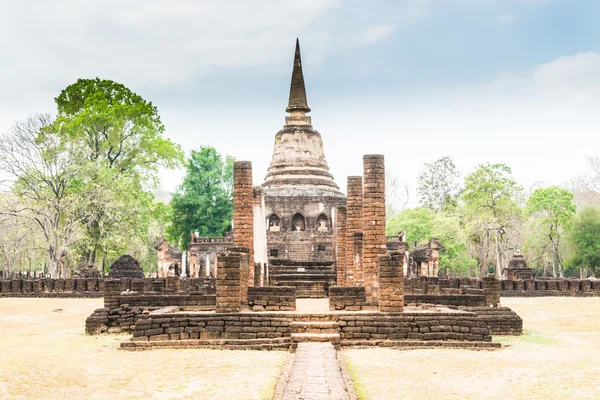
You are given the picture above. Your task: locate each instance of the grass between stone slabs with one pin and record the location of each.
(556, 358)
(46, 355)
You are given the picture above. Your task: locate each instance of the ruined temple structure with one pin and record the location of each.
(517, 268)
(169, 259)
(425, 259)
(298, 201)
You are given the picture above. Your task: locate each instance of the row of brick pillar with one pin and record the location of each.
(361, 257)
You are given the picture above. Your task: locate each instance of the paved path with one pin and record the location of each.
(315, 374)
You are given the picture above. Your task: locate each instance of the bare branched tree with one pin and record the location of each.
(396, 195)
(45, 176)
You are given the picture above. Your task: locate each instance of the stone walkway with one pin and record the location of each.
(315, 374)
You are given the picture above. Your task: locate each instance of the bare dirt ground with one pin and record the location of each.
(558, 357)
(44, 354)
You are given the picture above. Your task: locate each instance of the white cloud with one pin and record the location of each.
(374, 33)
(506, 19)
(151, 43)
(576, 76)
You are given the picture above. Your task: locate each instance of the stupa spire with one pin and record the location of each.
(298, 100)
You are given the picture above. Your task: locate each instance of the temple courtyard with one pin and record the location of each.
(45, 354)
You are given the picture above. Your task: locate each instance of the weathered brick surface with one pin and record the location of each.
(341, 263)
(230, 290)
(354, 224)
(374, 238)
(243, 214)
(347, 298)
(160, 326)
(500, 320)
(391, 282)
(272, 298)
(457, 300)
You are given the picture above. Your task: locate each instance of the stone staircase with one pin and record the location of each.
(310, 281)
(314, 331)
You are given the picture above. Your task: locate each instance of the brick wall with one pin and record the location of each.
(348, 298)
(354, 224)
(243, 212)
(46, 287)
(374, 238)
(391, 282)
(272, 298)
(341, 263)
(230, 290)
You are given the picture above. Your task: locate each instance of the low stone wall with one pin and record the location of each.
(272, 298)
(348, 298)
(181, 326)
(508, 288)
(126, 299)
(458, 300)
(415, 326)
(550, 287)
(94, 287)
(354, 328)
(46, 287)
(500, 320)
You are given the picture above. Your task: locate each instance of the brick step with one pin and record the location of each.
(304, 277)
(316, 337)
(241, 344)
(420, 344)
(311, 294)
(314, 326)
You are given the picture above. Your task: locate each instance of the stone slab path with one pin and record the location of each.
(315, 375)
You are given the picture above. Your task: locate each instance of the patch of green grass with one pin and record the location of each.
(529, 336)
(361, 390)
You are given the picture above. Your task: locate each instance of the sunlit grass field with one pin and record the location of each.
(558, 357)
(44, 354)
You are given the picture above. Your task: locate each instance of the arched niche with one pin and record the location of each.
(322, 223)
(298, 223)
(274, 223)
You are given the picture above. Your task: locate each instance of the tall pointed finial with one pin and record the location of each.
(297, 90)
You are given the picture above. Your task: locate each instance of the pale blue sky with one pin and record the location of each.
(514, 81)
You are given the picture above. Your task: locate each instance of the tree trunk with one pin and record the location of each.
(498, 262)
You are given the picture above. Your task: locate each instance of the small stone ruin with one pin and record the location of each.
(126, 267)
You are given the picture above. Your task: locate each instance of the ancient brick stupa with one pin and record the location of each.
(300, 198)
(125, 267)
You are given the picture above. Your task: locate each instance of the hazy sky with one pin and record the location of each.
(511, 81)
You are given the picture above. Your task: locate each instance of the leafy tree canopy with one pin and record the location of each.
(204, 201)
(118, 126)
(585, 238)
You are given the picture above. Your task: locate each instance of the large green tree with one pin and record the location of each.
(123, 138)
(552, 211)
(491, 202)
(585, 238)
(204, 201)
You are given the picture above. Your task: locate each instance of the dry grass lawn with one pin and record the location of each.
(558, 357)
(45, 355)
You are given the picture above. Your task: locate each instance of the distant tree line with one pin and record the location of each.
(486, 217)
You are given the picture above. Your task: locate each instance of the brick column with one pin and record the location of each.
(491, 289)
(374, 222)
(112, 291)
(391, 282)
(354, 224)
(340, 252)
(357, 258)
(243, 215)
(230, 271)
